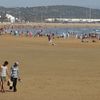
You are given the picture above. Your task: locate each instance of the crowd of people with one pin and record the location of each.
(40, 31)
(9, 77)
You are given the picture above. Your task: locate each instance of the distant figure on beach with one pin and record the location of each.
(15, 32)
(30, 34)
(3, 75)
(14, 76)
(1, 31)
(64, 35)
(50, 37)
(82, 37)
(68, 35)
(77, 36)
(39, 33)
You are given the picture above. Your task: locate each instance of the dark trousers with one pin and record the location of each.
(14, 80)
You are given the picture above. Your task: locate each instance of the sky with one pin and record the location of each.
(34, 3)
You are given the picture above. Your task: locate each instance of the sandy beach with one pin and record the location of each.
(69, 70)
(47, 25)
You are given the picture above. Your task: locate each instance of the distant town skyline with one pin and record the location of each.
(34, 3)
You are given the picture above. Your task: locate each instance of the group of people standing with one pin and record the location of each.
(13, 76)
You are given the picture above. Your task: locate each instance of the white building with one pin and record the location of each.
(77, 20)
(10, 18)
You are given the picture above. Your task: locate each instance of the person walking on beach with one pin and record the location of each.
(14, 75)
(50, 39)
(3, 74)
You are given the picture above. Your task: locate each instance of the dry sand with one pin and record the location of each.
(70, 70)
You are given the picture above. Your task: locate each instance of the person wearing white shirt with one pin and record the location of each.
(3, 75)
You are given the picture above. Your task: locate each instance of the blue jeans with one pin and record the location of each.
(14, 80)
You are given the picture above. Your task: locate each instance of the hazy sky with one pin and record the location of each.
(32, 3)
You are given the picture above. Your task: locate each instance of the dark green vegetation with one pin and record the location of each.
(39, 14)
